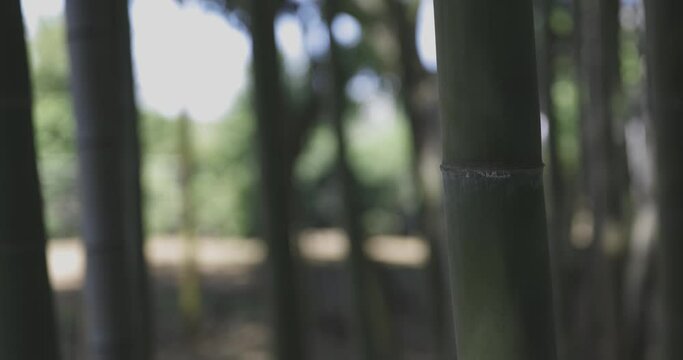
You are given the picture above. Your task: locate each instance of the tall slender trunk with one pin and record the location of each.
(492, 171)
(546, 77)
(558, 217)
(665, 73)
(640, 274)
(141, 299)
(190, 289)
(599, 321)
(27, 325)
(358, 262)
(275, 182)
(413, 79)
(116, 302)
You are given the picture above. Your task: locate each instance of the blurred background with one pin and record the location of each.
(192, 64)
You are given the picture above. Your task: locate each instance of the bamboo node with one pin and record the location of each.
(489, 172)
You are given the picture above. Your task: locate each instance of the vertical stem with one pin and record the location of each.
(599, 321)
(143, 319)
(359, 264)
(275, 182)
(665, 71)
(27, 325)
(495, 211)
(413, 77)
(190, 289)
(116, 302)
(558, 219)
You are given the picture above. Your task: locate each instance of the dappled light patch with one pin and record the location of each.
(326, 245)
(215, 255)
(237, 255)
(407, 251)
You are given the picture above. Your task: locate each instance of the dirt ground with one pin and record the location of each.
(233, 281)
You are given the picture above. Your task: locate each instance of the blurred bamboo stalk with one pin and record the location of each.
(370, 316)
(275, 181)
(421, 118)
(118, 320)
(558, 217)
(27, 319)
(599, 325)
(190, 299)
(665, 74)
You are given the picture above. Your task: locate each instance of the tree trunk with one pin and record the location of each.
(600, 324)
(116, 301)
(275, 182)
(640, 278)
(141, 299)
(665, 73)
(27, 328)
(190, 289)
(413, 81)
(492, 170)
(558, 217)
(360, 267)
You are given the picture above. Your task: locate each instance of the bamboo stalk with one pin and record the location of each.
(141, 300)
(599, 321)
(190, 301)
(413, 78)
(495, 213)
(27, 320)
(358, 263)
(116, 301)
(275, 182)
(558, 214)
(665, 72)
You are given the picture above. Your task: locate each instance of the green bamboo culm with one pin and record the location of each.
(27, 320)
(275, 184)
(492, 170)
(118, 320)
(665, 72)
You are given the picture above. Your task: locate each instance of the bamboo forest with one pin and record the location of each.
(341, 180)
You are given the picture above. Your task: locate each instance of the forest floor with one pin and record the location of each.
(234, 297)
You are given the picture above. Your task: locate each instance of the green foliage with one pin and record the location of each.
(319, 157)
(54, 124)
(60, 194)
(631, 64)
(561, 22)
(318, 196)
(49, 58)
(380, 156)
(158, 134)
(224, 184)
(55, 129)
(380, 153)
(159, 173)
(223, 181)
(631, 76)
(566, 97)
